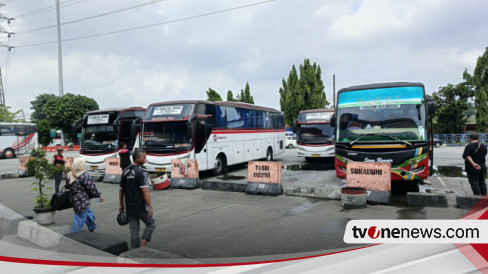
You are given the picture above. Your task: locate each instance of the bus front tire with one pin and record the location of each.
(8, 153)
(220, 165)
(269, 155)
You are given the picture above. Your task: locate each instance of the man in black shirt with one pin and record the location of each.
(134, 187)
(474, 160)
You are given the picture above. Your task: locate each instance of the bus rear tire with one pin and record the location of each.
(269, 155)
(220, 165)
(8, 153)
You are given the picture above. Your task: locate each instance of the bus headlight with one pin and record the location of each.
(342, 159)
(187, 156)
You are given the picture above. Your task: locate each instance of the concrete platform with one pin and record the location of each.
(86, 243)
(9, 175)
(426, 199)
(43, 236)
(148, 255)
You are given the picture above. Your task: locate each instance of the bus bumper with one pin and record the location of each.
(316, 151)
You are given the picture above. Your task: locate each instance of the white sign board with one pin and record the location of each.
(97, 119)
(167, 110)
(319, 116)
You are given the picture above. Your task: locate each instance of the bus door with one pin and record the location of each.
(202, 154)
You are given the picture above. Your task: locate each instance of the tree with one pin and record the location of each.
(451, 106)
(6, 115)
(302, 92)
(230, 96)
(479, 81)
(60, 112)
(43, 132)
(212, 95)
(38, 105)
(246, 96)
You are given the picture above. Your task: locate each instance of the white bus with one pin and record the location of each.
(216, 134)
(102, 131)
(17, 139)
(315, 136)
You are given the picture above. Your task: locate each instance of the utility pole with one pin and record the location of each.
(60, 54)
(333, 90)
(2, 94)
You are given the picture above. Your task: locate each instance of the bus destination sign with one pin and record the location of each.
(322, 116)
(97, 119)
(168, 110)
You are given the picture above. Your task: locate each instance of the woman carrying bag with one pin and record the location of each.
(82, 189)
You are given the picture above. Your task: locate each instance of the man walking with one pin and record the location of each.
(134, 187)
(474, 160)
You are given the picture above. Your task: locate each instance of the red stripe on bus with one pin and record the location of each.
(22, 144)
(237, 131)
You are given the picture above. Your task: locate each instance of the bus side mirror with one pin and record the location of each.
(430, 108)
(295, 127)
(333, 120)
(135, 127)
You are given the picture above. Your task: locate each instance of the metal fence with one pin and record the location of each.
(459, 138)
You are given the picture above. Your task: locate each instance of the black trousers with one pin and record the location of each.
(477, 182)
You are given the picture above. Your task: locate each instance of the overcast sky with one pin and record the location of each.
(194, 45)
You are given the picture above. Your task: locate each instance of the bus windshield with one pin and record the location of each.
(315, 134)
(165, 136)
(99, 138)
(385, 114)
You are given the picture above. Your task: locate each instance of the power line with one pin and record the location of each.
(92, 17)
(45, 9)
(152, 25)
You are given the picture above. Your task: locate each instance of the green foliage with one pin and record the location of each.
(302, 92)
(38, 106)
(6, 115)
(212, 95)
(479, 80)
(39, 167)
(451, 106)
(245, 96)
(61, 112)
(43, 132)
(230, 96)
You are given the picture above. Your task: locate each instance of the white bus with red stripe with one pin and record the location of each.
(17, 139)
(216, 134)
(102, 131)
(315, 136)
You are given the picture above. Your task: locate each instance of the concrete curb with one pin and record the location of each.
(112, 178)
(266, 189)
(237, 186)
(378, 197)
(9, 220)
(426, 199)
(9, 175)
(314, 192)
(185, 183)
(42, 235)
(470, 201)
(148, 255)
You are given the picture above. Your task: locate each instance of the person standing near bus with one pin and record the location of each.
(124, 155)
(58, 160)
(134, 187)
(475, 164)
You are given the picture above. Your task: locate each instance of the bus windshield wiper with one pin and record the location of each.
(381, 135)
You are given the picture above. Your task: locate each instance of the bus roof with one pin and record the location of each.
(318, 110)
(16, 123)
(383, 85)
(219, 103)
(115, 110)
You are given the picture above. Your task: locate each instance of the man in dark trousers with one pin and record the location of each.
(134, 187)
(58, 160)
(474, 160)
